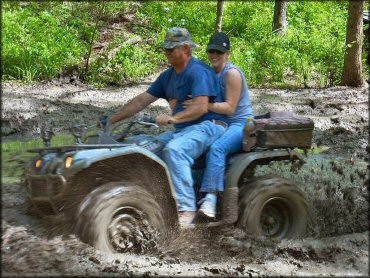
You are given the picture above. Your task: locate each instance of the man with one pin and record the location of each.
(195, 128)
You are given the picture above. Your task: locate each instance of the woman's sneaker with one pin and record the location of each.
(208, 206)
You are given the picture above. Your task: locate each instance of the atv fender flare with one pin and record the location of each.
(240, 163)
(239, 166)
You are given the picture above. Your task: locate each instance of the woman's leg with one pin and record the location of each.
(230, 142)
(213, 179)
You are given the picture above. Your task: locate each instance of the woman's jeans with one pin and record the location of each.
(230, 142)
(182, 149)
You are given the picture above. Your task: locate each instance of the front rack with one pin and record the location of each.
(77, 147)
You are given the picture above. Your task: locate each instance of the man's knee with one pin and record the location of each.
(170, 147)
(170, 150)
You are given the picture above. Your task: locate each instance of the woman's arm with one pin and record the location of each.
(234, 85)
(193, 111)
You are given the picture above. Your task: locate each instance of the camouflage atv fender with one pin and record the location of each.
(241, 167)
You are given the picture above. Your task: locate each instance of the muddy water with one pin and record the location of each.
(336, 183)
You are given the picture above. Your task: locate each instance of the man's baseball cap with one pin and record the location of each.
(177, 36)
(219, 41)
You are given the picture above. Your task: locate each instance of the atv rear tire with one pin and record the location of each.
(273, 207)
(119, 218)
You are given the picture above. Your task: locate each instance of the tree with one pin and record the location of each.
(280, 23)
(97, 13)
(352, 70)
(220, 11)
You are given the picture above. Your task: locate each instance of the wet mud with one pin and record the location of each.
(336, 183)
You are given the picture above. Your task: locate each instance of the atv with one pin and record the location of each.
(117, 192)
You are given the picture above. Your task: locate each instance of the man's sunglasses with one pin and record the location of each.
(211, 51)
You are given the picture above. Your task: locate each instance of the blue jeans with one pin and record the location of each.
(180, 153)
(230, 142)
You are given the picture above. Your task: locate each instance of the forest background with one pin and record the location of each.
(116, 43)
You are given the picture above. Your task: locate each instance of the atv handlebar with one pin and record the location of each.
(148, 121)
(145, 121)
(104, 122)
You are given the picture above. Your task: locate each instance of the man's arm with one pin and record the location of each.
(135, 105)
(196, 109)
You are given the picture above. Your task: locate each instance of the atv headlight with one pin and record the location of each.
(38, 163)
(68, 162)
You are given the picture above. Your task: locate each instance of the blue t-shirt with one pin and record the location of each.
(197, 79)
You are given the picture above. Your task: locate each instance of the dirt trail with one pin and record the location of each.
(338, 188)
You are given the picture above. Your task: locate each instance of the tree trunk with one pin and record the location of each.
(352, 71)
(280, 24)
(220, 11)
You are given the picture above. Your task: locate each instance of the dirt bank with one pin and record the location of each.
(336, 182)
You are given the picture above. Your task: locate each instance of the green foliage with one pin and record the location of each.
(36, 45)
(128, 64)
(319, 38)
(311, 53)
(40, 39)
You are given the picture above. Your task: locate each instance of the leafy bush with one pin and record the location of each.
(40, 39)
(129, 64)
(37, 47)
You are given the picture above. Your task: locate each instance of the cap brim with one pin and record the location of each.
(171, 44)
(217, 47)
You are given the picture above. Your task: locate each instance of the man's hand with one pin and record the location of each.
(104, 121)
(165, 120)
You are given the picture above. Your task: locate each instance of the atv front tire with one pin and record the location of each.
(119, 218)
(272, 206)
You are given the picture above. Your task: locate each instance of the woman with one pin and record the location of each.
(237, 106)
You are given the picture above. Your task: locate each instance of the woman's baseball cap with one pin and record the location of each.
(219, 41)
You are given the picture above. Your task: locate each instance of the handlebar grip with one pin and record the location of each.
(104, 122)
